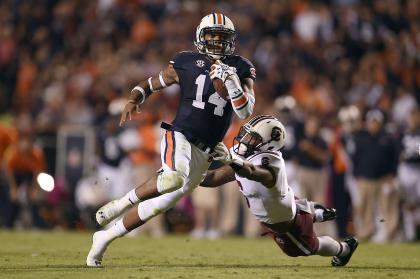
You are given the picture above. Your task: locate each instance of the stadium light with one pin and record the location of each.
(45, 181)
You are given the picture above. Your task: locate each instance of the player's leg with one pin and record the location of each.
(301, 240)
(327, 246)
(341, 252)
(152, 207)
(175, 156)
(298, 238)
(303, 233)
(199, 164)
(134, 218)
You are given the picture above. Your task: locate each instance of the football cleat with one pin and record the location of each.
(342, 261)
(328, 213)
(108, 212)
(99, 245)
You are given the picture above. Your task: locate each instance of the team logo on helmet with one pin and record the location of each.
(262, 133)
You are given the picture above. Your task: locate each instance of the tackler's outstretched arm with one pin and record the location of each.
(264, 173)
(218, 177)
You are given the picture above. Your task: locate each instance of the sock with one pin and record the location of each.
(330, 247)
(117, 230)
(129, 199)
(152, 207)
(345, 249)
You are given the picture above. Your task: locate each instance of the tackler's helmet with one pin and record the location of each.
(262, 133)
(220, 24)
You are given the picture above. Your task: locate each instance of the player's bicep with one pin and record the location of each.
(265, 175)
(169, 75)
(165, 78)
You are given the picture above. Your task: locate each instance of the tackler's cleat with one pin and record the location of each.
(342, 261)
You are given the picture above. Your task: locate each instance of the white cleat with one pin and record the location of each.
(96, 253)
(109, 212)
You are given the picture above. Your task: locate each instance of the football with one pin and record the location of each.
(220, 88)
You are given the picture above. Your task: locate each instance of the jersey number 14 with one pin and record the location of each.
(214, 98)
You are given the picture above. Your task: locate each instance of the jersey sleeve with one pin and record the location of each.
(179, 59)
(269, 159)
(246, 69)
(273, 161)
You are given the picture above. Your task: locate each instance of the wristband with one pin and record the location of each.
(143, 94)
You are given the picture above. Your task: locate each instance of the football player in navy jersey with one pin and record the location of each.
(201, 122)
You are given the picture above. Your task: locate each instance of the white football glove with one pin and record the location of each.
(222, 154)
(221, 71)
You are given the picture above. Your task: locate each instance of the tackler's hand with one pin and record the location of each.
(128, 111)
(221, 153)
(221, 71)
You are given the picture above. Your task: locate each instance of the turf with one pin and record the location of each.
(62, 255)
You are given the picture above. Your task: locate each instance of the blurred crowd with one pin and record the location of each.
(342, 75)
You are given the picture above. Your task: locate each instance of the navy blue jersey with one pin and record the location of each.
(202, 113)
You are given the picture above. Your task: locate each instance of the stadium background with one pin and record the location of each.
(66, 65)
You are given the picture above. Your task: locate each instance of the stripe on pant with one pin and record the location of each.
(170, 149)
(298, 244)
(173, 150)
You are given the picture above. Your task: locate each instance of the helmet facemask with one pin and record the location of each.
(247, 141)
(216, 48)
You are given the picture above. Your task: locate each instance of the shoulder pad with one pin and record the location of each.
(266, 157)
(246, 68)
(181, 57)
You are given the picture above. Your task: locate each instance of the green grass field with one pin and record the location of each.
(62, 255)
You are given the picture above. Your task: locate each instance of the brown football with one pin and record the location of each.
(220, 88)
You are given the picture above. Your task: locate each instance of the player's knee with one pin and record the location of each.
(169, 181)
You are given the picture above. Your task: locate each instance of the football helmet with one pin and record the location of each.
(217, 24)
(261, 133)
